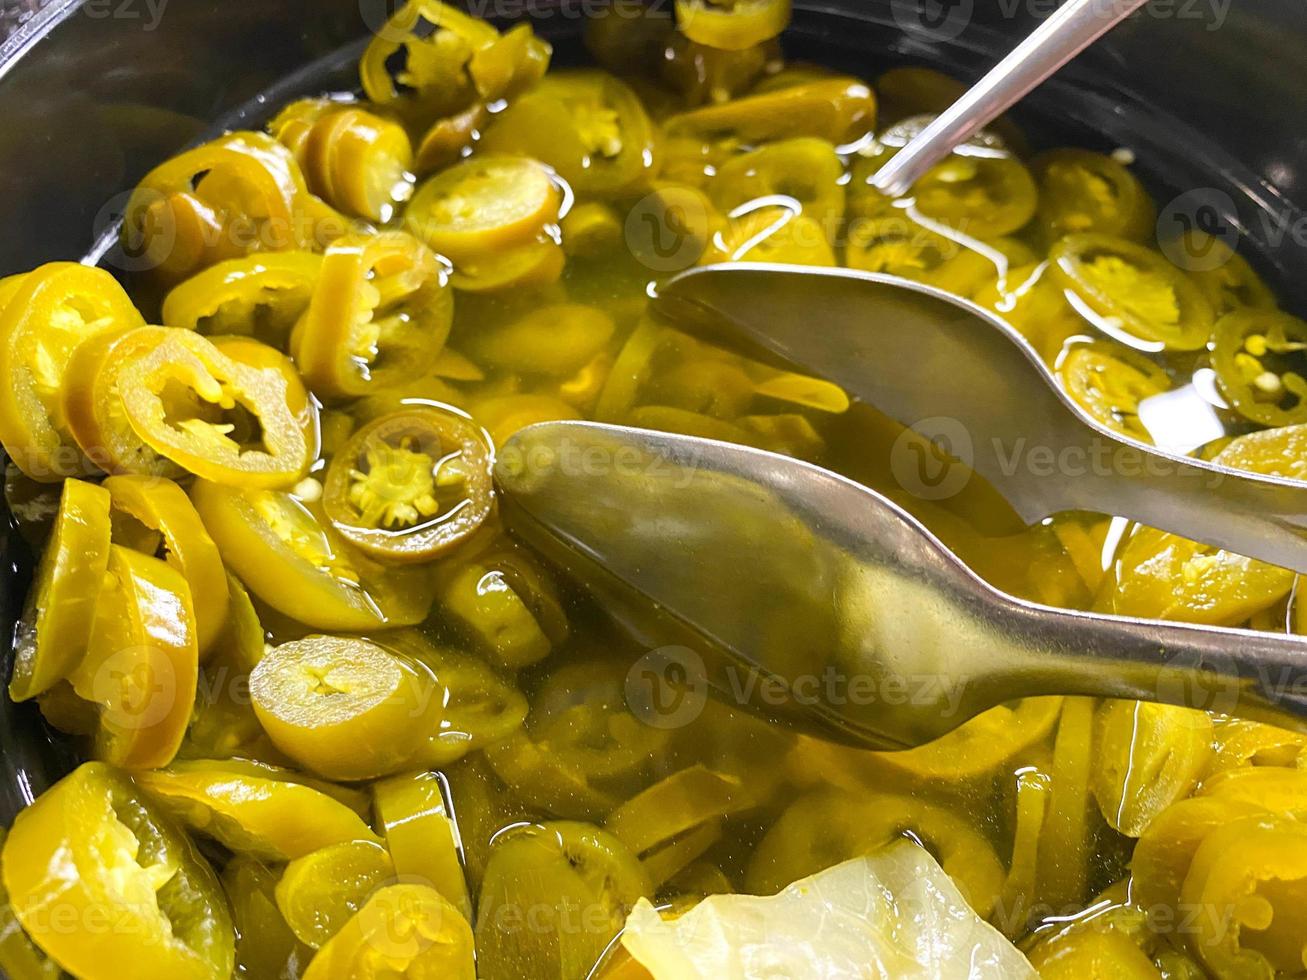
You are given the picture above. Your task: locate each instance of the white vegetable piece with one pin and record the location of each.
(891, 915)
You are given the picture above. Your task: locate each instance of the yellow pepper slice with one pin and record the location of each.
(542, 780)
(1252, 873)
(55, 627)
(240, 193)
(422, 836)
(806, 171)
(94, 848)
(141, 665)
(480, 708)
(1080, 190)
(280, 550)
(841, 110)
(486, 203)
(1260, 359)
(343, 707)
(20, 958)
(732, 25)
(548, 872)
(152, 504)
(93, 407)
(402, 931)
(265, 946)
(53, 310)
(505, 602)
(1109, 381)
(411, 485)
(557, 339)
(1147, 756)
(1132, 290)
(1159, 575)
(320, 891)
(260, 295)
(588, 125)
(258, 813)
(354, 159)
(1164, 852)
(675, 805)
(209, 434)
(379, 315)
(1064, 846)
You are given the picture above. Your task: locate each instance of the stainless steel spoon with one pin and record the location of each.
(963, 377)
(798, 593)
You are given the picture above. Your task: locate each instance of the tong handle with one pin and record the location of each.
(1076, 25)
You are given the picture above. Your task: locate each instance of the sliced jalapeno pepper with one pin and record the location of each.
(1260, 357)
(841, 110)
(402, 930)
(53, 310)
(1132, 290)
(1249, 872)
(240, 193)
(95, 848)
(732, 25)
(480, 708)
(260, 295)
(321, 890)
(1159, 575)
(55, 627)
(1083, 191)
(410, 485)
(550, 868)
(1109, 380)
(265, 946)
(773, 234)
(586, 124)
(1224, 276)
(343, 707)
(285, 556)
(1148, 756)
(93, 403)
(233, 424)
(507, 604)
(421, 834)
(141, 665)
(266, 817)
(982, 195)
(354, 159)
(806, 171)
(432, 60)
(162, 506)
(482, 205)
(557, 340)
(379, 315)
(680, 803)
(707, 75)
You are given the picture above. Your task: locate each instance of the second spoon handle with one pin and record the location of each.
(1076, 25)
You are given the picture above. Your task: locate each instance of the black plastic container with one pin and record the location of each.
(1207, 93)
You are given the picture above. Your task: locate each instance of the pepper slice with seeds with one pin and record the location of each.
(411, 484)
